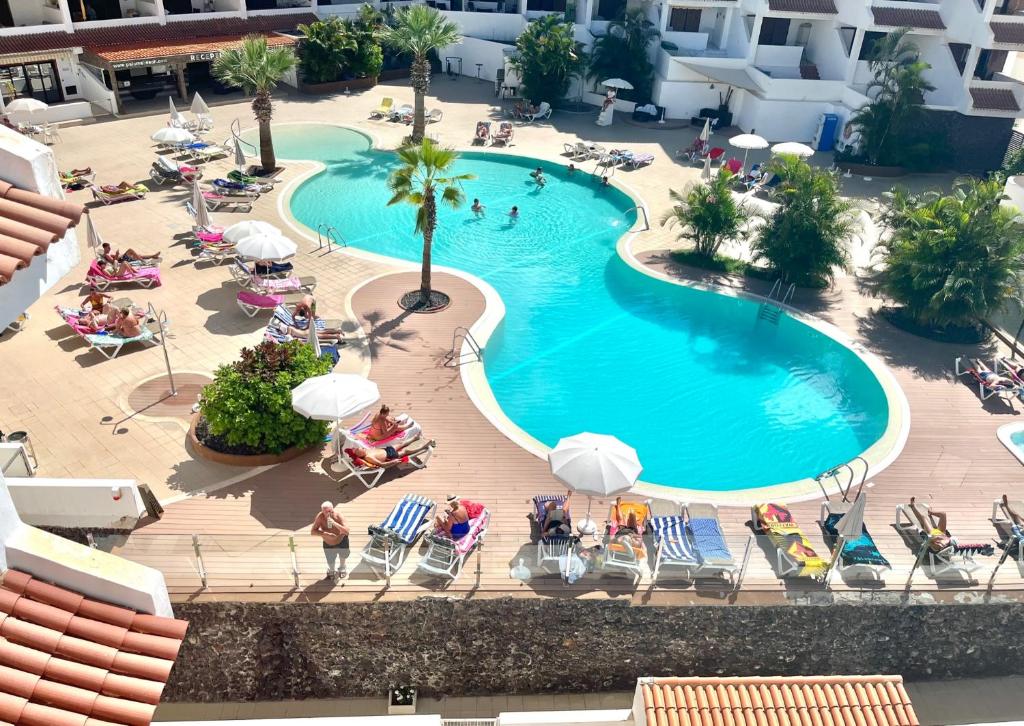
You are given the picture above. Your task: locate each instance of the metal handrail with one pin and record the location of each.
(776, 287)
(789, 293)
(850, 473)
(199, 559)
(647, 223)
(454, 358)
(329, 233)
(236, 134)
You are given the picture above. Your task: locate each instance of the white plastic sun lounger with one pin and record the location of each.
(938, 563)
(445, 557)
(1004, 527)
(391, 540)
(110, 345)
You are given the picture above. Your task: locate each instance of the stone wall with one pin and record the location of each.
(255, 651)
(974, 143)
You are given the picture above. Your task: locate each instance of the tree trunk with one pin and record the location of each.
(430, 207)
(262, 108)
(419, 78)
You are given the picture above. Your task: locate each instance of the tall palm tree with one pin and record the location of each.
(418, 30)
(256, 69)
(426, 172)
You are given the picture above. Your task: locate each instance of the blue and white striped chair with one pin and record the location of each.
(673, 545)
(391, 540)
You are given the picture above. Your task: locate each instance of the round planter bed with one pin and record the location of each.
(205, 453)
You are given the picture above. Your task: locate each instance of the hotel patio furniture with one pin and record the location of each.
(108, 345)
(795, 557)
(165, 170)
(215, 252)
(551, 547)
(626, 552)
(359, 432)
(504, 135)
(216, 201)
(954, 558)
(237, 176)
(705, 530)
(634, 160)
(244, 272)
(111, 194)
(76, 178)
(543, 111)
(142, 276)
(384, 109)
(230, 187)
(401, 113)
(252, 303)
(1008, 538)
(370, 474)
(445, 557)
(672, 545)
(483, 133)
(986, 387)
(860, 557)
(201, 151)
(391, 540)
(434, 115)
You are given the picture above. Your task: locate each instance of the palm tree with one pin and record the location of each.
(256, 69)
(622, 52)
(707, 214)
(425, 172)
(418, 30)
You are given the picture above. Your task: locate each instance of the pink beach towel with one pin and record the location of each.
(152, 273)
(268, 302)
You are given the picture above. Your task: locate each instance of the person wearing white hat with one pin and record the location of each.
(330, 527)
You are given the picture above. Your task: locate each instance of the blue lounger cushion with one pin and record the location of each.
(709, 540)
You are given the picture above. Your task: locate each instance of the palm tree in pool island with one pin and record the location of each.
(419, 29)
(423, 180)
(256, 69)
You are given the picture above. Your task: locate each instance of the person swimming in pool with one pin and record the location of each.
(572, 168)
(538, 176)
(478, 209)
(514, 213)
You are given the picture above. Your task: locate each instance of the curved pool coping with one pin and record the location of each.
(1004, 432)
(879, 455)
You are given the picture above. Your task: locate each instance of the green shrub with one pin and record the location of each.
(547, 59)
(325, 49)
(707, 214)
(623, 53)
(249, 402)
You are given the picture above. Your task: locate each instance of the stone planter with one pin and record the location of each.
(870, 170)
(326, 89)
(205, 453)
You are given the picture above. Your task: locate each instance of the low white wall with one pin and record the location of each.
(597, 717)
(474, 50)
(778, 55)
(27, 164)
(690, 41)
(488, 26)
(684, 99)
(416, 720)
(782, 120)
(69, 111)
(1014, 189)
(77, 502)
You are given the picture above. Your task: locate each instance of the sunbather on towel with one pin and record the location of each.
(628, 524)
(96, 300)
(129, 255)
(455, 521)
(381, 457)
(128, 325)
(1016, 520)
(994, 380)
(384, 425)
(935, 525)
(327, 334)
(118, 269)
(556, 517)
(96, 321)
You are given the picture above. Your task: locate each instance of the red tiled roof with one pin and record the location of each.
(782, 700)
(1008, 33)
(818, 7)
(138, 51)
(29, 223)
(152, 33)
(908, 18)
(994, 99)
(66, 660)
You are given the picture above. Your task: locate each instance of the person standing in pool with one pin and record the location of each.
(538, 176)
(572, 168)
(477, 208)
(514, 213)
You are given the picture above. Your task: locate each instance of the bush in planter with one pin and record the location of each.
(623, 53)
(249, 403)
(547, 59)
(325, 50)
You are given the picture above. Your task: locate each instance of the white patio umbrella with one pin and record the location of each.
(595, 465)
(173, 135)
(794, 148)
(26, 105)
(240, 230)
(333, 397)
(199, 204)
(263, 246)
(617, 83)
(748, 142)
(199, 107)
(92, 235)
(314, 339)
(240, 161)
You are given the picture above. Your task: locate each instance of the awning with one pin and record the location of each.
(738, 77)
(190, 50)
(41, 57)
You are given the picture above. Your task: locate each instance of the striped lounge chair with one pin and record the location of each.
(445, 556)
(674, 548)
(551, 547)
(391, 540)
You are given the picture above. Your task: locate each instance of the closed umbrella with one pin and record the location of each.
(92, 235)
(263, 246)
(240, 230)
(314, 339)
(793, 148)
(595, 465)
(849, 527)
(170, 106)
(334, 396)
(748, 142)
(199, 107)
(240, 161)
(705, 173)
(617, 83)
(705, 133)
(199, 205)
(172, 135)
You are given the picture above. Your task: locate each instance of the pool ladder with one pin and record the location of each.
(847, 471)
(327, 235)
(771, 308)
(461, 337)
(647, 222)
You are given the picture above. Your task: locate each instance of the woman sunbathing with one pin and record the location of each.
(556, 517)
(384, 425)
(388, 454)
(96, 321)
(994, 380)
(1016, 520)
(454, 522)
(118, 269)
(935, 525)
(628, 523)
(130, 256)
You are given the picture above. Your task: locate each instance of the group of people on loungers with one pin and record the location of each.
(123, 264)
(101, 316)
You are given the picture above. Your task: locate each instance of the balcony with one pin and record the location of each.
(29, 17)
(100, 14)
(201, 9)
(1002, 97)
(278, 6)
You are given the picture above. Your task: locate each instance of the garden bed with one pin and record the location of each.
(209, 447)
(966, 335)
(325, 89)
(871, 169)
(730, 266)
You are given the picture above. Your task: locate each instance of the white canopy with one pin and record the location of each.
(334, 396)
(595, 464)
(617, 83)
(264, 246)
(748, 141)
(794, 148)
(199, 107)
(240, 230)
(173, 135)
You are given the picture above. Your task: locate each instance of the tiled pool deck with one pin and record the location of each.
(76, 405)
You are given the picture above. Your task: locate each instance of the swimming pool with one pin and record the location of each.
(711, 396)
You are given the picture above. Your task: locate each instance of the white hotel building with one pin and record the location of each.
(787, 61)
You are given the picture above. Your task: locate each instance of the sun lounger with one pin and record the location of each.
(77, 178)
(237, 176)
(504, 135)
(860, 557)
(168, 171)
(243, 272)
(403, 112)
(200, 151)
(143, 276)
(283, 314)
(672, 545)
(694, 151)
(626, 552)
(111, 194)
(543, 111)
(795, 555)
(252, 303)
(552, 545)
(1010, 537)
(229, 187)
(370, 474)
(106, 344)
(215, 252)
(981, 374)
(733, 166)
(360, 431)
(705, 530)
(384, 109)
(445, 557)
(434, 116)
(281, 285)
(482, 137)
(954, 558)
(391, 540)
(215, 201)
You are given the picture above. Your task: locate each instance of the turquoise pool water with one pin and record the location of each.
(1017, 439)
(711, 397)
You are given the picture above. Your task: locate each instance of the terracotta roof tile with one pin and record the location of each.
(138, 51)
(1012, 33)
(908, 18)
(29, 223)
(63, 663)
(818, 7)
(778, 701)
(994, 99)
(151, 33)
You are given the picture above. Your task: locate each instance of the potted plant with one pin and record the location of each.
(402, 701)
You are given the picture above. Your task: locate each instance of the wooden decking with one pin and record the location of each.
(952, 460)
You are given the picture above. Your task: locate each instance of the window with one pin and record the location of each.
(684, 20)
(774, 31)
(959, 52)
(31, 80)
(868, 46)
